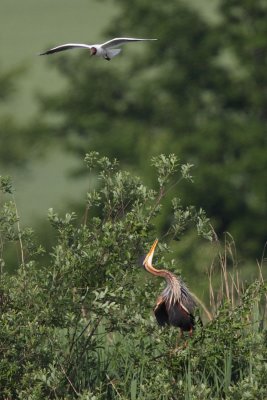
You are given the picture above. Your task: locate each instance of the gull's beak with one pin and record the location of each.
(149, 256)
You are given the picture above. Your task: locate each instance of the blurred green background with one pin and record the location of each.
(199, 92)
(26, 29)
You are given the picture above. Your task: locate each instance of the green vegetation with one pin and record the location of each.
(79, 325)
(75, 307)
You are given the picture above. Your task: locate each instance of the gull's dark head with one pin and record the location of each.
(93, 51)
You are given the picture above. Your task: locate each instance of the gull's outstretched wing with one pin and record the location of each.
(118, 41)
(64, 47)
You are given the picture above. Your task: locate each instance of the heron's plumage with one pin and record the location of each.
(175, 306)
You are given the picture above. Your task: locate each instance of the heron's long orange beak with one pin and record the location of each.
(149, 256)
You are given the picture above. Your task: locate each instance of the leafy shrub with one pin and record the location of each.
(80, 325)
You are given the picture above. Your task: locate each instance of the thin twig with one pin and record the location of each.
(162, 193)
(223, 263)
(114, 387)
(86, 215)
(260, 265)
(211, 291)
(262, 281)
(234, 287)
(200, 302)
(19, 230)
(238, 283)
(160, 196)
(68, 379)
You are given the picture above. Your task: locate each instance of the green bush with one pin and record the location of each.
(80, 326)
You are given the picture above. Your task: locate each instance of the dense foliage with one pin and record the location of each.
(80, 326)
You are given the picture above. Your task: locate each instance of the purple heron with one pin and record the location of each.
(175, 306)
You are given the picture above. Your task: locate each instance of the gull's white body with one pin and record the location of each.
(107, 50)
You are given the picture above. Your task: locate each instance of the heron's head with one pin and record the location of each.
(93, 51)
(149, 257)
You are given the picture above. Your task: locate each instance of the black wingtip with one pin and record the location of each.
(45, 53)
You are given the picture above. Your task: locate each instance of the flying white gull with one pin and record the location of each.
(106, 50)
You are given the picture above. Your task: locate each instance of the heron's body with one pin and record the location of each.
(175, 306)
(174, 315)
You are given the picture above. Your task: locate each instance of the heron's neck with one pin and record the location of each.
(167, 275)
(172, 292)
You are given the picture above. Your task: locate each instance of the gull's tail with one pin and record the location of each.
(113, 52)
